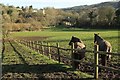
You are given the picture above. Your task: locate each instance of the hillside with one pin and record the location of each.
(77, 8)
(31, 19)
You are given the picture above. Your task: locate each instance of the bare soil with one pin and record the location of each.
(34, 38)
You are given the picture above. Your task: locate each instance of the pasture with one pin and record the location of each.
(63, 36)
(20, 62)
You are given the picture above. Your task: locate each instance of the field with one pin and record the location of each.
(54, 36)
(19, 62)
(63, 36)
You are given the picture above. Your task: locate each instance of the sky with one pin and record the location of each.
(51, 3)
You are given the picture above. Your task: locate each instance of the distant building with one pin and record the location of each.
(19, 9)
(35, 10)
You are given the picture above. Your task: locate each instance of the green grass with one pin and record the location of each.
(63, 36)
(17, 55)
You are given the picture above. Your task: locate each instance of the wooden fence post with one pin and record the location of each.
(27, 43)
(24, 42)
(49, 54)
(42, 47)
(37, 46)
(58, 51)
(96, 48)
(39, 49)
(30, 44)
(72, 55)
(21, 41)
(18, 41)
(34, 45)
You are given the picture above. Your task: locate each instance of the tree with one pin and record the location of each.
(117, 17)
(30, 8)
(50, 16)
(6, 18)
(92, 15)
(118, 4)
(9, 11)
(110, 14)
(105, 16)
(82, 19)
(14, 15)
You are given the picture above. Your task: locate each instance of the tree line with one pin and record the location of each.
(30, 19)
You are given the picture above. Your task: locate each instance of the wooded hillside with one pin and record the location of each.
(30, 19)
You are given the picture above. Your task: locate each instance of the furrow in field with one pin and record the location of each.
(10, 56)
(29, 57)
(37, 66)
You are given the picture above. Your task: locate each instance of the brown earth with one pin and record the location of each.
(34, 38)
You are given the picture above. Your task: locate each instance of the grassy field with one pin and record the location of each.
(21, 62)
(64, 35)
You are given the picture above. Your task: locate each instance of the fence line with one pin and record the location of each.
(100, 52)
(36, 45)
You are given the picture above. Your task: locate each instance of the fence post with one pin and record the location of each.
(20, 41)
(37, 46)
(30, 44)
(27, 43)
(49, 51)
(35, 43)
(72, 54)
(23, 42)
(42, 47)
(58, 51)
(96, 48)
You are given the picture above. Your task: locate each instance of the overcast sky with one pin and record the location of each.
(51, 3)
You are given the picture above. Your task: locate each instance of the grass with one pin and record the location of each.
(63, 36)
(22, 62)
